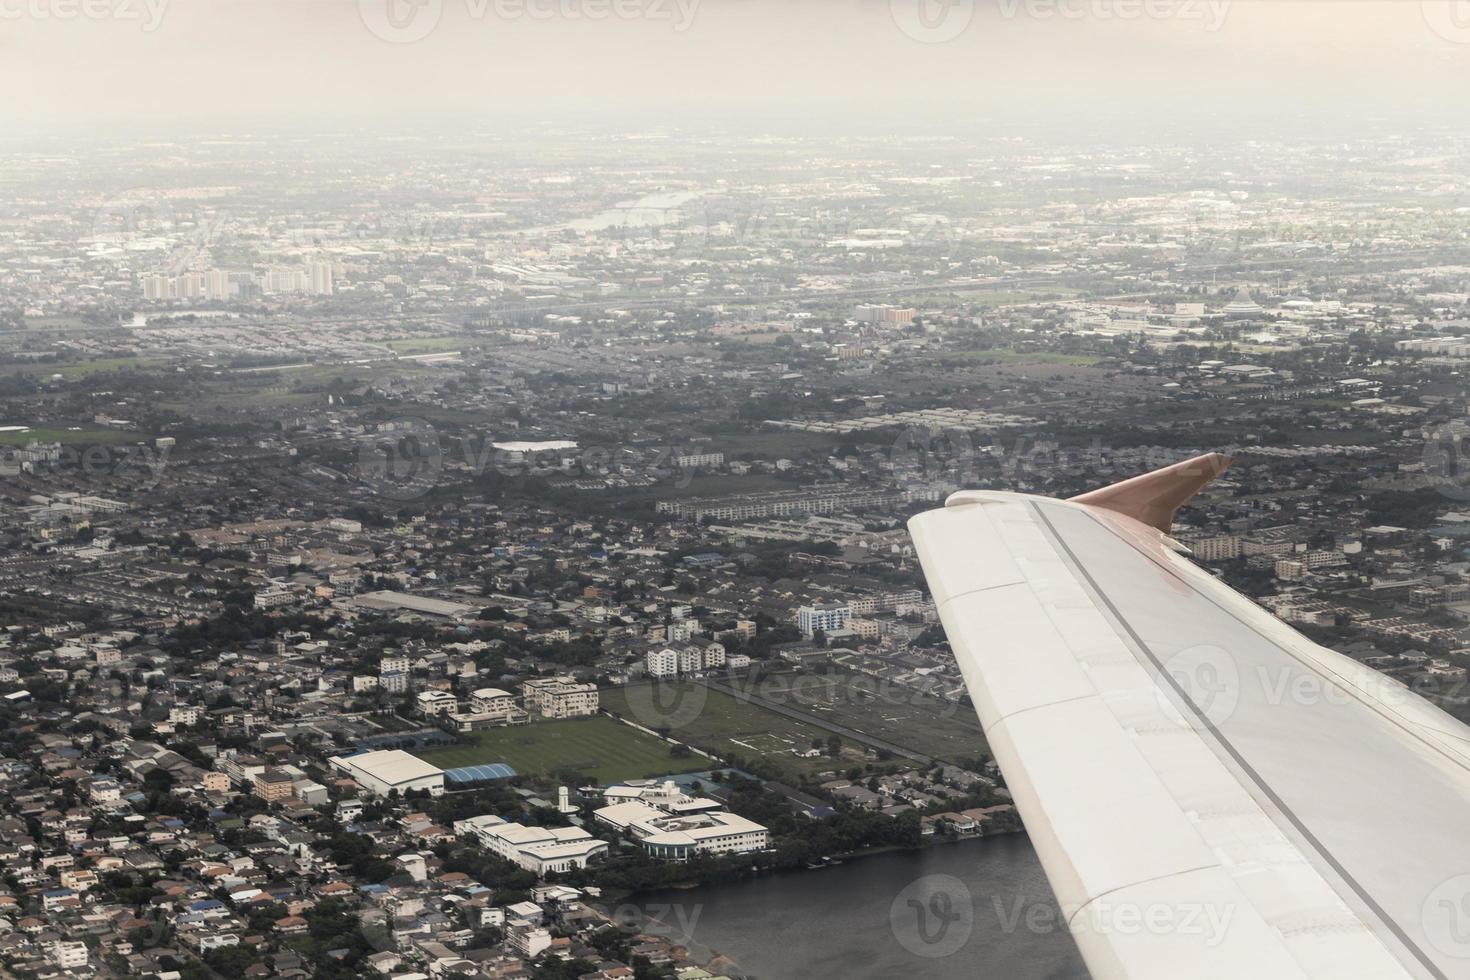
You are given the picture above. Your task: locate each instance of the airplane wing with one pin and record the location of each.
(1211, 794)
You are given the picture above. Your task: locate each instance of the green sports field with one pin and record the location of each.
(599, 747)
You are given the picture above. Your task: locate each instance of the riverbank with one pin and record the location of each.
(834, 860)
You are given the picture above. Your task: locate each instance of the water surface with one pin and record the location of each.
(973, 910)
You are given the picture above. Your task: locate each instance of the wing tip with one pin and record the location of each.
(1154, 498)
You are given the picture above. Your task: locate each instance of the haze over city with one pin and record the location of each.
(748, 65)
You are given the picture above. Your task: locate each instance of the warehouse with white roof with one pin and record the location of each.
(380, 773)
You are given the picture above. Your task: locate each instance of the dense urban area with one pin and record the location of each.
(414, 550)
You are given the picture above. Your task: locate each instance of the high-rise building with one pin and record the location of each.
(157, 287)
(285, 281)
(190, 285)
(321, 278)
(217, 284)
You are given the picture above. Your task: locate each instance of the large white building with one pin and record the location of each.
(536, 849)
(665, 796)
(672, 825)
(380, 773)
(692, 460)
(825, 616)
(560, 697)
(676, 837)
(490, 707)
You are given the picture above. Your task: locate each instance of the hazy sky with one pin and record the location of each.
(885, 65)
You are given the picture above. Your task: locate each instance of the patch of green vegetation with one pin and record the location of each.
(425, 345)
(72, 370)
(991, 298)
(60, 323)
(84, 437)
(726, 726)
(901, 715)
(1008, 356)
(767, 443)
(720, 486)
(601, 748)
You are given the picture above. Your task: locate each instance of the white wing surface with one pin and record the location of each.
(1211, 794)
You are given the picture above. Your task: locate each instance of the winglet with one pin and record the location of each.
(1153, 498)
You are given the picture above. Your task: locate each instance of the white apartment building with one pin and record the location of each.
(686, 461)
(184, 714)
(529, 943)
(104, 789)
(1222, 547)
(691, 658)
(560, 697)
(1290, 571)
(714, 654)
(434, 704)
(492, 701)
(1265, 546)
(824, 616)
(662, 663)
(274, 598)
(393, 674)
(885, 602)
(67, 955)
(1324, 559)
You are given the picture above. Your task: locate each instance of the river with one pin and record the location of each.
(973, 910)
